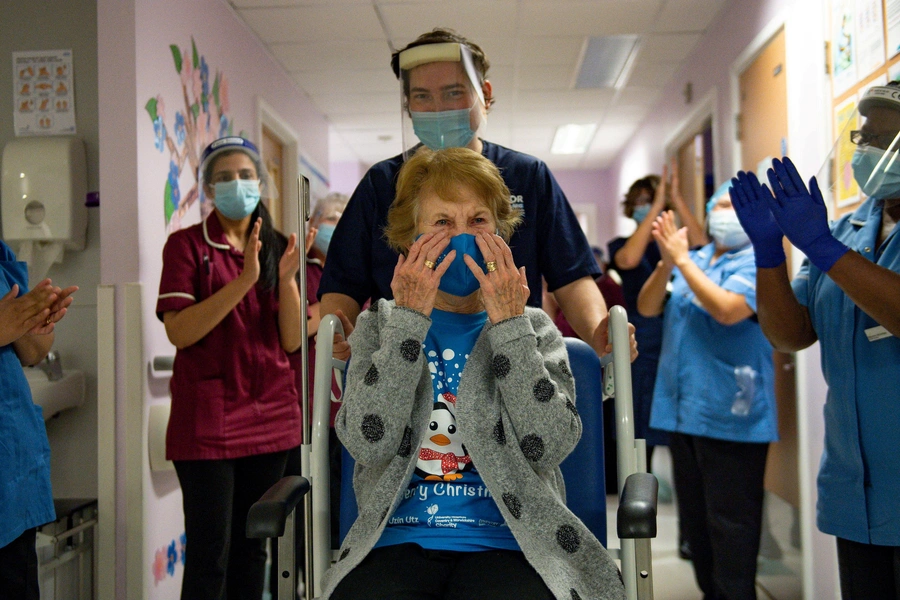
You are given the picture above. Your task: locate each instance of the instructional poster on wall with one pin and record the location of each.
(43, 93)
(869, 36)
(892, 14)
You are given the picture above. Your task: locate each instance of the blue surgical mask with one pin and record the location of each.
(640, 213)
(237, 198)
(881, 184)
(458, 280)
(323, 237)
(726, 230)
(445, 129)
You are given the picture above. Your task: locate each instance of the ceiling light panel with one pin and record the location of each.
(606, 61)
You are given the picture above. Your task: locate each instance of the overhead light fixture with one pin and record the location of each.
(572, 138)
(606, 61)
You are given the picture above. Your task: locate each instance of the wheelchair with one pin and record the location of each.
(273, 515)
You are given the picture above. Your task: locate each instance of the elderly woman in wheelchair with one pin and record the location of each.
(459, 407)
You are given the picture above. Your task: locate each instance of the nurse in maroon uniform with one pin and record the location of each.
(229, 300)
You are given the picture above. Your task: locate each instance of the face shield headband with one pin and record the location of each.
(450, 125)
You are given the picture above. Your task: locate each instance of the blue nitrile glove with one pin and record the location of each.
(749, 200)
(802, 215)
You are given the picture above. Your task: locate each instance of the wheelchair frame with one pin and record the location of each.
(273, 515)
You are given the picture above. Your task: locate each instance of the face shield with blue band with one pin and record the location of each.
(443, 103)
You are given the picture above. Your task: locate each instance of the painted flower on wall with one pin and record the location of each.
(202, 119)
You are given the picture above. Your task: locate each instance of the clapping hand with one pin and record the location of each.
(802, 214)
(672, 241)
(751, 200)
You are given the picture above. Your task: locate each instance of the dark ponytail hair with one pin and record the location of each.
(273, 246)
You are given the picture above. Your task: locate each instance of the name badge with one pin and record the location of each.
(877, 333)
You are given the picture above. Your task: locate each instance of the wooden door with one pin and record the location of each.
(762, 132)
(273, 157)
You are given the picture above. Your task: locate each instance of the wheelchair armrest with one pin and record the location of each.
(268, 514)
(636, 517)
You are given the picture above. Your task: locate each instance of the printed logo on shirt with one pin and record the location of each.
(517, 202)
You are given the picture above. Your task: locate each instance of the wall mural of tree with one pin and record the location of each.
(203, 118)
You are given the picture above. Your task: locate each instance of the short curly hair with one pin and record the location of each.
(441, 172)
(644, 184)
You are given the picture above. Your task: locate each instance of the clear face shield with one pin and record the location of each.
(223, 163)
(865, 159)
(442, 100)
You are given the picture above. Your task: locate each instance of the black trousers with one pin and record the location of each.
(868, 572)
(221, 562)
(19, 568)
(720, 499)
(410, 572)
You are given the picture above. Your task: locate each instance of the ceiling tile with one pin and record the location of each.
(313, 23)
(687, 15)
(477, 20)
(667, 47)
(608, 17)
(334, 56)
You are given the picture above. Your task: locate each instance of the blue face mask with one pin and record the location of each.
(445, 129)
(323, 237)
(459, 280)
(881, 184)
(726, 229)
(640, 213)
(237, 198)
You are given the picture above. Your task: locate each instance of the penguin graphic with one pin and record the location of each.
(442, 456)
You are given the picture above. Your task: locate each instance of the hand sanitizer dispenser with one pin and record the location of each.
(44, 182)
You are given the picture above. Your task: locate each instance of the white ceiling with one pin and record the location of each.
(338, 52)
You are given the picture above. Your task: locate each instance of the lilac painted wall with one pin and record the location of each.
(136, 64)
(593, 187)
(344, 175)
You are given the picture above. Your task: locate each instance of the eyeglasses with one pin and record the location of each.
(879, 140)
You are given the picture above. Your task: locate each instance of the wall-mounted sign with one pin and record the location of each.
(43, 92)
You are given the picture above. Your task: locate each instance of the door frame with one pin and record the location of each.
(706, 110)
(267, 117)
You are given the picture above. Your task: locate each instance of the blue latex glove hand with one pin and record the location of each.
(751, 203)
(802, 215)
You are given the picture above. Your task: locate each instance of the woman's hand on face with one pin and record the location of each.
(505, 289)
(251, 254)
(673, 243)
(290, 260)
(415, 284)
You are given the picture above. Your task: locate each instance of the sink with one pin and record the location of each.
(56, 396)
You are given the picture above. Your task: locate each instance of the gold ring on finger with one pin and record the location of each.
(430, 264)
(491, 266)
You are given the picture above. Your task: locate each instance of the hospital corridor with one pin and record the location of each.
(377, 299)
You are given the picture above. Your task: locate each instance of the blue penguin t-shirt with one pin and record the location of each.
(447, 506)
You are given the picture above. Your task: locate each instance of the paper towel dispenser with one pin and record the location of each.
(44, 182)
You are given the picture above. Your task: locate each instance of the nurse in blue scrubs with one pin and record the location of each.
(846, 296)
(27, 320)
(715, 393)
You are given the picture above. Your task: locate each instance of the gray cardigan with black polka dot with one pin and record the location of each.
(517, 418)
